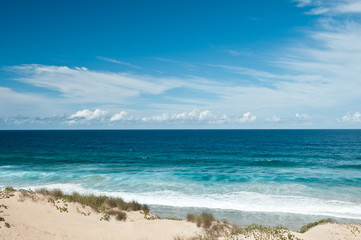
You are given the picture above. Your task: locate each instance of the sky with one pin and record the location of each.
(260, 64)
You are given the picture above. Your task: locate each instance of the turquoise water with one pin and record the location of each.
(286, 177)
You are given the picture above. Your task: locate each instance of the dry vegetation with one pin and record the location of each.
(215, 229)
(308, 226)
(108, 206)
(7, 193)
(117, 207)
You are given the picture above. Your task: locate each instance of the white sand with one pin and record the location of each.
(39, 219)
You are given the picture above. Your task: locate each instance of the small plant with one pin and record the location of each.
(3, 206)
(174, 219)
(259, 232)
(2, 219)
(207, 219)
(6, 224)
(121, 216)
(9, 189)
(106, 216)
(307, 227)
(145, 209)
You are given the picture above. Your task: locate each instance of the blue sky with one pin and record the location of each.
(180, 64)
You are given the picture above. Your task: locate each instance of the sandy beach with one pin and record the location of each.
(34, 216)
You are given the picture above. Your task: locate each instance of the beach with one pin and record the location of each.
(183, 120)
(33, 216)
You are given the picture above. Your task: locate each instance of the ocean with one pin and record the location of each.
(272, 177)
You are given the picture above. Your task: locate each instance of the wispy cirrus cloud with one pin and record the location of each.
(302, 3)
(349, 7)
(330, 7)
(118, 62)
(234, 52)
(83, 85)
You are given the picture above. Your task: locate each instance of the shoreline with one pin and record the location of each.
(36, 215)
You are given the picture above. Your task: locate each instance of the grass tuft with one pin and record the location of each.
(9, 189)
(7, 225)
(205, 219)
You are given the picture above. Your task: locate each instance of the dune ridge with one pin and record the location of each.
(45, 215)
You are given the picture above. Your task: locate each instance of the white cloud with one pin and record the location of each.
(349, 7)
(81, 68)
(302, 3)
(273, 119)
(86, 115)
(301, 116)
(351, 117)
(247, 118)
(195, 115)
(318, 11)
(122, 116)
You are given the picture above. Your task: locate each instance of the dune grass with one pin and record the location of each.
(108, 206)
(308, 226)
(117, 207)
(96, 202)
(203, 220)
(215, 229)
(7, 192)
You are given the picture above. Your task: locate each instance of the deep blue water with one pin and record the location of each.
(287, 177)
